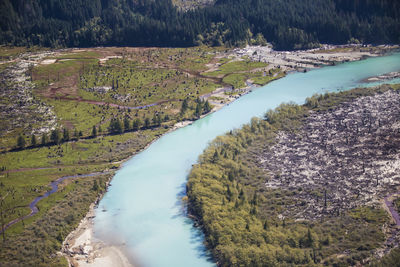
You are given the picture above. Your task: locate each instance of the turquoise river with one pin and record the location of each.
(142, 208)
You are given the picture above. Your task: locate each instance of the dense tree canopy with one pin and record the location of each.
(288, 24)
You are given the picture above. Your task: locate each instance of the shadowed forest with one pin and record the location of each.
(287, 24)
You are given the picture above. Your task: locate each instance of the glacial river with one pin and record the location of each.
(143, 208)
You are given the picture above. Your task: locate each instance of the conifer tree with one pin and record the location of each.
(94, 131)
(21, 142)
(33, 140)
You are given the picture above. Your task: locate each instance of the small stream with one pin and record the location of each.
(54, 188)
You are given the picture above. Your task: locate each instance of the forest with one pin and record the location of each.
(286, 24)
(250, 219)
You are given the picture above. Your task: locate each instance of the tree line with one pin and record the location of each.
(116, 126)
(201, 107)
(287, 24)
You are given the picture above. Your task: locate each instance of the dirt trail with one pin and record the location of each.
(201, 76)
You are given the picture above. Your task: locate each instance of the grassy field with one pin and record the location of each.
(235, 67)
(135, 85)
(29, 175)
(71, 84)
(35, 241)
(236, 73)
(9, 53)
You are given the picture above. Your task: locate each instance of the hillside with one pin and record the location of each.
(287, 24)
(310, 185)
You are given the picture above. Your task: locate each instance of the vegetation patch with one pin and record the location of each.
(254, 215)
(236, 66)
(34, 242)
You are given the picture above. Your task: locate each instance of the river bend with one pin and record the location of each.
(143, 210)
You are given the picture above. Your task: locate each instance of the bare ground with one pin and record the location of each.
(339, 160)
(308, 59)
(352, 153)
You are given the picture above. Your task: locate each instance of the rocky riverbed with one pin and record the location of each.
(384, 77)
(308, 59)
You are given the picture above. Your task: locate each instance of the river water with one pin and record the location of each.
(143, 208)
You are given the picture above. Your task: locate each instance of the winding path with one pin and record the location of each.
(54, 188)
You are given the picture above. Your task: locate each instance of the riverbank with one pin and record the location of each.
(301, 171)
(81, 248)
(182, 124)
(300, 60)
(62, 83)
(384, 77)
